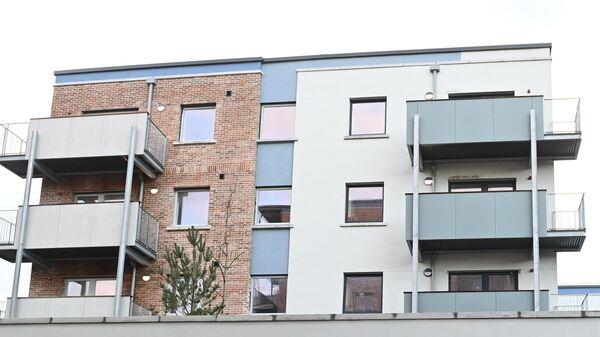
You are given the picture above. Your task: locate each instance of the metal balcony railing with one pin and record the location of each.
(156, 143)
(575, 302)
(566, 212)
(2, 308)
(147, 231)
(12, 139)
(8, 220)
(562, 116)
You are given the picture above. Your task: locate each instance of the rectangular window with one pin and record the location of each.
(367, 116)
(277, 121)
(90, 287)
(363, 293)
(197, 124)
(192, 207)
(483, 281)
(482, 185)
(364, 203)
(91, 198)
(269, 294)
(481, 95)
(273, 205)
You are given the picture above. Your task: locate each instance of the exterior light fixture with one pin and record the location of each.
(428, 181)
(154, 190)
(429, 96)
(427, 272)
(146, 278)
(160, 108)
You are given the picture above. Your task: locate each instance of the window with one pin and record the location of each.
(91, 198)
(273, 205)
(476, 185)
(90, 287)
(367, 116)
(483, 281)
(109, 111)
(277, 121)
(192, 207)
(364, 203)
(363, 293)
(481, 95)
(197, 124)
(269, 294)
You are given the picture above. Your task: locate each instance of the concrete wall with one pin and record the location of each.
(559, 324)
(324, 162)
(88, 136)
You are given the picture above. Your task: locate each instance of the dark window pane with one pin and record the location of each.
(114, 197)
(192, 207)
(363, 294)
(269, 294)
(197, 124)
(365, 204)
(87, 199)
(466, 282)
(500, 282)
(277, 122)
(482, 185)
(274, 206)
(368, 118)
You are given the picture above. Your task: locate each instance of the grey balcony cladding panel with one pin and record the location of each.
(274, 164)
(485, 215)
(270, 250)
(475, 120)
(476, 301)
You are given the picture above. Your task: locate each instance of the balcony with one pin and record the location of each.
(476, 301)
(89, 306)
(494, 128)
(84, 144)
(496, 220)
(79, 231)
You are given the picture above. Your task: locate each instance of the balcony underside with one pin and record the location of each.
(560, 241)
(138, 253)
(559, 147)
(74, 166)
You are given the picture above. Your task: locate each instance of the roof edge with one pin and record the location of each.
(305, 57)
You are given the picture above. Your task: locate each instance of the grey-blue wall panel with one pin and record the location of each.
(274, 163)
(270, 250)
(279, 78)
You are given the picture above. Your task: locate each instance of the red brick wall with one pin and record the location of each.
(187, 166)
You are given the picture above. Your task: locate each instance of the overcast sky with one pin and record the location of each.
(40, 37)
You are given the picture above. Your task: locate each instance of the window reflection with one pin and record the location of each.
(367, 118)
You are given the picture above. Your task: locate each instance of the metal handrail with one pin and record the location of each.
(8, 227)
(566, 211)
(566, 126)
(158, 154)
(147, 230)
(11, 144)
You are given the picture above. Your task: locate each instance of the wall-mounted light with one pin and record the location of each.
(154, 190)
(160, 108)
(146, 278)
(428, 181)
(427, 272)
(429, 96)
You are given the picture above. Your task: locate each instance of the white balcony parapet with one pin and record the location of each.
(85, 306)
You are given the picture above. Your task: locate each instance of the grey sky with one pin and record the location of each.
(38, 38)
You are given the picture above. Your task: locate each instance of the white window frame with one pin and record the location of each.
(256, 215)
(252, 294)
(90, 285)
(260, 126)
(176, 208)
(101, 196)
(182, 123)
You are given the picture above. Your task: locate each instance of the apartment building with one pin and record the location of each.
(384, 182)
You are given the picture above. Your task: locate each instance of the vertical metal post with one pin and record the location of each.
(132, 290)
(125, 227)
(23, 225)
(534, 213)
(151, 82)
(415, 217)
(434, 69)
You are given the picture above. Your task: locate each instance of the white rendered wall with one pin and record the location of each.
(321, 249)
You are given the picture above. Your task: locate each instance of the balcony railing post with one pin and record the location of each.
(534, 213)
(125, 227)
(23, 225)
(415, 217)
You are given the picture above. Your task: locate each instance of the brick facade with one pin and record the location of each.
(188, 166)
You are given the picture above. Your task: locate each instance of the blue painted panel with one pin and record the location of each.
(274, 162)
(511, 119)
(474, 215)
(578, 290)
(510, 301)
(476, 301)
(513, 214)
(479, 301)
(438, 211)
(436, 302)
(279, 78)
(270, 250)
(474, 121)
(157, 72)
